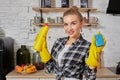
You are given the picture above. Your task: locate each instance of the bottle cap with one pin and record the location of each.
(45, 24)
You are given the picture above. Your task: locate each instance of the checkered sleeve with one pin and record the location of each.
(50, 65)
(90, 74)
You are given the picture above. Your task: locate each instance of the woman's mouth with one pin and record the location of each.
(71, 32)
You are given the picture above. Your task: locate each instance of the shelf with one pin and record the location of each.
(60, 24)
(50, 24)
(37, 9)
(58, 9)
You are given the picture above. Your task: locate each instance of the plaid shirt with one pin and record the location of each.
(73, 61)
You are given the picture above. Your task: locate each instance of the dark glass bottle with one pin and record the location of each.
(23, 55)
(48, 3)
(64, 3)
(84, 3)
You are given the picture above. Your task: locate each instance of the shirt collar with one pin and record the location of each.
(78, 41)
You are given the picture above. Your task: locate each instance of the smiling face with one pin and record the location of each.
(72, 25)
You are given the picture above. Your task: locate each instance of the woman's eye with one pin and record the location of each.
(73, 23)
(65, 24)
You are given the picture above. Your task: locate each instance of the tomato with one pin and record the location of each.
(22, 65)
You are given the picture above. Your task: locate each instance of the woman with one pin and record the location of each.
(69, 53)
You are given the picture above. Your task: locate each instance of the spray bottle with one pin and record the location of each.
(41, 45)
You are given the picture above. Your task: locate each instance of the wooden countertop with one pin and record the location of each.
(105, 73)
(38, 74)
(102, 73)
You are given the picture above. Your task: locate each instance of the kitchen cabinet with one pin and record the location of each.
(22, 79)
(30, 79)
(47, 79)
(48, 10)
(106, 79)
(54, 79)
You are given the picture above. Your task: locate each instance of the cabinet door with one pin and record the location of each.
(106, 79)
(47, 78)
(22, 79)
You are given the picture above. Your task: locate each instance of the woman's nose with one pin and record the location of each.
(69, 27)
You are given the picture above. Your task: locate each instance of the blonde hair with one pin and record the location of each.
(73, 11)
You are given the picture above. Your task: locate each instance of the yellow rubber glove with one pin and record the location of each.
(44, 53)
(94, 51)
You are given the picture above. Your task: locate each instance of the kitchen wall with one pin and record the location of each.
(15, 18)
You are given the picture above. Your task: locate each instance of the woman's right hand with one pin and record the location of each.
(44, 53)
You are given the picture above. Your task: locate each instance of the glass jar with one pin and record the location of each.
(23, 55)
(37, 61)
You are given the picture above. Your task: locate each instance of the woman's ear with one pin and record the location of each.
(84, 20)
(81, 23)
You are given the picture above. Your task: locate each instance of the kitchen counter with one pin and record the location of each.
(102, 73)
(37, 74)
